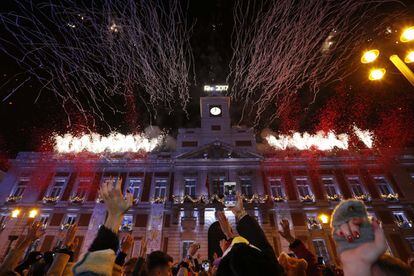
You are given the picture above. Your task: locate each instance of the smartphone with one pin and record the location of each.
(205, 265)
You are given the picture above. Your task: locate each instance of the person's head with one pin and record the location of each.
(387, 265)
(128, 267)
(246, 260)
(158, 264)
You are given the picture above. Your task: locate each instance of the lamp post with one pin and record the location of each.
(371, 56)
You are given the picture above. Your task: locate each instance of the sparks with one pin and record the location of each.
(113, 143)
(321, 140)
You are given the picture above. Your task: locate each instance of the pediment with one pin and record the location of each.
(218, 150)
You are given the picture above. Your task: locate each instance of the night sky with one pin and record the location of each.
(28, 120)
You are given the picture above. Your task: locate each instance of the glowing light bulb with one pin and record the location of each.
(376, 74)
(370, 56)
(324, 218)
(407, 35)
(15, 213)
(410, 57)
(33, 213)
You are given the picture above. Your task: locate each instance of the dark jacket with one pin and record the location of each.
(302, 252)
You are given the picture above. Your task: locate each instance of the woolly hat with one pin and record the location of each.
(343, 213)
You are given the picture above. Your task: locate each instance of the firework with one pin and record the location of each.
(113, 143)
(283, 46)
(90, 54)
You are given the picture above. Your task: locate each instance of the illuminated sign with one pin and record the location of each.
(216, 87)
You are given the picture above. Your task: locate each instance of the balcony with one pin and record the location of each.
(279, 199)
(65, 226)
(77, 199)
(314, 224)
(335, 197)
(50, 199)
(255, 198)
(307, 199)
(158, 200)
(13, 199)
(363, 197)
(391, 197)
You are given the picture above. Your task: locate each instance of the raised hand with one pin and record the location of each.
(34, 232)
(225, 224)
(285, 233)
(192, 249)
(143, 249)
(69, 241)
(115, 203)
(126, 243)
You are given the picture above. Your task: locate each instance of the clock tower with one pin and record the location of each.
(215, 114)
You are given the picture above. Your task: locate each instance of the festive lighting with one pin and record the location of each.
(324, 218)
(113, 143)
(321, 140)
(410, 57)
(370, 56)
(33, 213)
(216, 87)
(15, 213)
(407, 35)
(403, 68)
(376, 74)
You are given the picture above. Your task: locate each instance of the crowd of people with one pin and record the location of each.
(360, 243)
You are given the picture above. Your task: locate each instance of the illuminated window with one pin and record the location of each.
(126, 224)
(218, 185)
(313, 222)
(401, 220)
(44, 219)
(82, 188)
(383, 185)
(70, 219)
(246, 186)
(185, 246)
(320, 249)
(160, 188)
(57, 188)
(190, 186)
(303, 186)
(20, 187)
(276, 187)
(356, 185)
(3, 220)
(330, 186)
(134, 188)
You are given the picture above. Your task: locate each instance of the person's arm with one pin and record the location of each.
(116, 206)
(126, 244)
(140, 266)
(65, 254)
(15, 254)
(297, 247)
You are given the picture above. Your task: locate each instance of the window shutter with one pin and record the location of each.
(84, 219)
(141, 220)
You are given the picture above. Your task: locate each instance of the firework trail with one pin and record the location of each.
(91, 53)
(281, 47)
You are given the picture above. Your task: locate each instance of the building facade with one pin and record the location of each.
(176, 193)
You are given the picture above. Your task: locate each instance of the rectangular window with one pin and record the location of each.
(321, 250)
(304, 189)
(356, 185)
(134, 188)
(401, 220)
(70, 219)
(383, 185)
(44, 219)
(244, 143)
(313, 222)
(185, 247)
(330, 186)
(160, 188)
(126, 224)
(189, 144)
(218, 185)
(410, 241)
(20, 187)
(190, 186)
(276, 187)
(3, 220)
(82, 188)
(246, 186)
(57, 188)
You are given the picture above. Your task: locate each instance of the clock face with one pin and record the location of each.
(215, 111)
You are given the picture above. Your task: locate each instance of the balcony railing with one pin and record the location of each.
(279, 198)
(158, 200)
(77, 199)
(255, 198)
(13, 199)
(307, 199)
(313, 224)
(335, 197)
(50, 199)
(404, 224)
(65, 226)
(363, 197)
(390, 197)
(126, 227)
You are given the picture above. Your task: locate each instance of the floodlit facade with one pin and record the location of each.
(174, 192)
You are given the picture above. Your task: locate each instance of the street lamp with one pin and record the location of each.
(324, 218)
(33, 213)
(376, 74)
(15, 213)
(409, 58)
(370, 56)
(407, 35)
